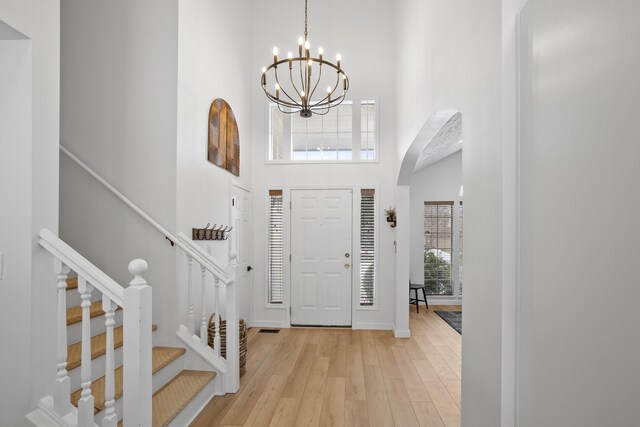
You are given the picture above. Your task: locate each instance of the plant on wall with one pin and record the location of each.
(391, 216)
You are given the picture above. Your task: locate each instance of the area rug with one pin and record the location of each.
(453, 318)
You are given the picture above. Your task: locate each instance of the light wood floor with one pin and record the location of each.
(342, 377)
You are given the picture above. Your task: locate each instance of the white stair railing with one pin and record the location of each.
(135, 302)
(228, 367)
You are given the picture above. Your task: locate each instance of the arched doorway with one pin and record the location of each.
(440, 136)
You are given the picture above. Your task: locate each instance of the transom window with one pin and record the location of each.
(347, 132)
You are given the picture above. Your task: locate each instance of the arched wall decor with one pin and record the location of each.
(223, 137)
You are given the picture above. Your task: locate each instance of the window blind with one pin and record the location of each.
(275, 247)
(367, 247)
(460, 249)
(438, 247)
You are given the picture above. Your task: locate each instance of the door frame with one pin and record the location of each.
(355, 248)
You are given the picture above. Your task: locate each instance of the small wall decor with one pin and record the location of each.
(391, 216)
(211, 233)
(223, 137)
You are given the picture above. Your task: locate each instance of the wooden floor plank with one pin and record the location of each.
(332, 414)
(312, 399)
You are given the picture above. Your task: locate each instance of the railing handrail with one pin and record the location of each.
(204, 254)
(208, 265)
(82, 266)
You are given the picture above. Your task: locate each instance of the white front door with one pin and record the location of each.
(321, 257)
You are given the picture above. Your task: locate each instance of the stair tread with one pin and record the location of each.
(98, 347)
(171, 399)
(160, 356)
(72, 283)
(74, 314)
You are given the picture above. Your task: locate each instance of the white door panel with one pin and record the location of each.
(320, 268)
(242, 228)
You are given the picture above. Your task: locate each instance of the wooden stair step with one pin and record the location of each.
(74, 314)
(98, 347)
(171, 399)
(160, 356)
(72, 283)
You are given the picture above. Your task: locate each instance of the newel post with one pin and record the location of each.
(233, 343)
(137, 386)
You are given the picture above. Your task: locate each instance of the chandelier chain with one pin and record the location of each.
(305, 20)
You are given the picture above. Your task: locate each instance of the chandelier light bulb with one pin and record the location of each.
(338, 57)
(301, 93)
(300, 41)
(275, 50)
(329, 89)
(277, 86)
(290, 55)
(264, 70)
(307, 45)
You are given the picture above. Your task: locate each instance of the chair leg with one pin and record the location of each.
(425, 298)
(417, 302)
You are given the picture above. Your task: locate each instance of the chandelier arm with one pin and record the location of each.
(292, 80)
(339, 100)
(285, 111)
(281, 88)
(301, 78)
(317, 82)
(319, 103)
(280, 101)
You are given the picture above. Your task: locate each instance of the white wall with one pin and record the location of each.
(579, 342)
(362, 43)
(29, 111)
(440, 181)
(459, 66)
(214, 61)
(119, 115)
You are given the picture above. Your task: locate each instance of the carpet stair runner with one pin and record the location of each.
(168, 401)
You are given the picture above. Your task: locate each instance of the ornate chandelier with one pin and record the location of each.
(297, 94)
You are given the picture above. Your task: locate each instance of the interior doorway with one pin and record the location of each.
(321, 257)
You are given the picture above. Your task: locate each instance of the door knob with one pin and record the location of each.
(347, 265)
(347, 255)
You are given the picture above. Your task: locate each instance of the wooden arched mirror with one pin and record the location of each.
(223, 137)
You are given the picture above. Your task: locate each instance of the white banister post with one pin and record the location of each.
(62, 384)
(191, 320)
(233, 343)
(110, 418)
(216, 317)
(137, 384)
(85, 404)
(203, 324)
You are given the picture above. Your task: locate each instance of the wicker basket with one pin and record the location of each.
(242, 331)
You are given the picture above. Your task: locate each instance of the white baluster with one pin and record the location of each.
(110, 417)
(85, 404)
(191, 320)
(62, 385)
(216, 338)
(203, 323)
(137, 385)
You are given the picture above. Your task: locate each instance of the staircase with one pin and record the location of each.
(110, 370)
(176, 389)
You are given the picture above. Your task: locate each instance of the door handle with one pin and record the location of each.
(249, 268)
(347, 265)
(347, 255)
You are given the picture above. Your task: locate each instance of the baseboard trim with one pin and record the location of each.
(269, 324)
(401, 333)
(372, 326)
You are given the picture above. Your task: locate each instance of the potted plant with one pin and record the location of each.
(391, 216)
